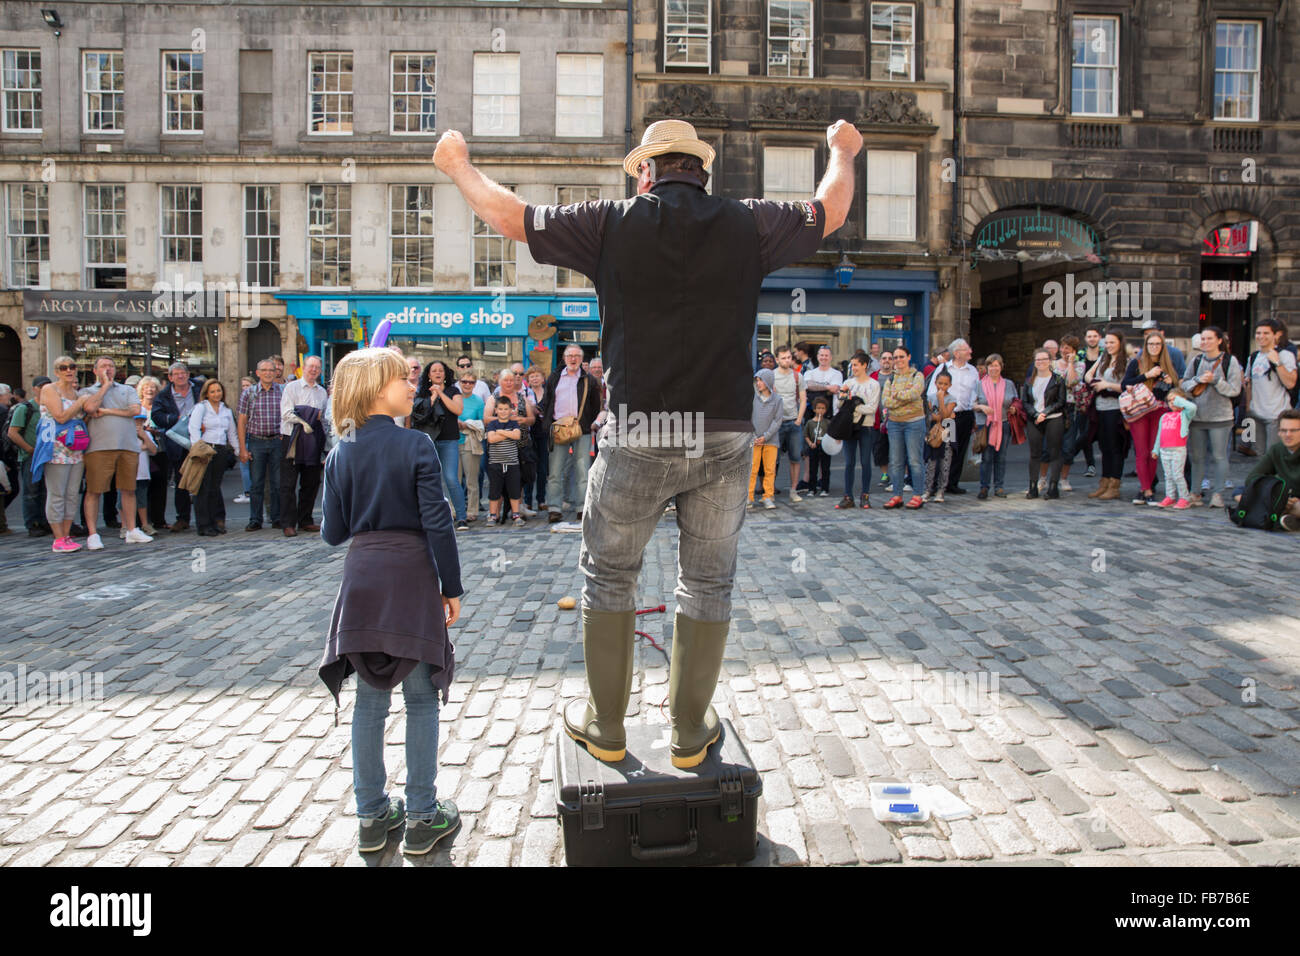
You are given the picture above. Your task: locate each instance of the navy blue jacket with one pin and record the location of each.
(165, 415)
(389, 479)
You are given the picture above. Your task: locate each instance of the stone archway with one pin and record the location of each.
(1017, 292)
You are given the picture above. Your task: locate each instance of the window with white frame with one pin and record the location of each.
(789, 38)
(329, 236)
(579, 94)
(891, 194)
(182, 92)
(410, 219)
(788, 173)
(1094, 66)
(27, 234)
(262, 236)
(1236, 69)
(103, 91)
(20, 86)
(496, 94)
(329, 96)
(105, 210)
(893, 41)
(688, 28)
(567, 279)
(181, 232)
(413, 93)
(494, 257)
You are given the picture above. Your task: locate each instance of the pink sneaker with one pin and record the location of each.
(1183, 504)
(66, 544)
(1166, 503)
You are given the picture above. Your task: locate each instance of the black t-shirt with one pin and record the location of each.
(571, 235)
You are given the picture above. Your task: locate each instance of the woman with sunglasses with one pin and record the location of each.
(60, 402)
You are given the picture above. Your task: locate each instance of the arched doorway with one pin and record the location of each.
(11, 358)
(1039, 274)
(263, 340)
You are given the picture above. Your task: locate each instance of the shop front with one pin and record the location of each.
(493, 330)
(1229, 283)
(887, 307)
(142, 332)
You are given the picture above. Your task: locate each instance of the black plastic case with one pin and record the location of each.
(643, 811)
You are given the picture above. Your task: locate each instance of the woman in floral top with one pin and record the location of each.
(903, 396)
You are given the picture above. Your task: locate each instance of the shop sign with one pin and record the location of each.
(1031, 234)
(1237, 240)
(1229, 288)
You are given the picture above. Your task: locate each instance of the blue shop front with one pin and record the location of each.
(846, 309)
(494, 330)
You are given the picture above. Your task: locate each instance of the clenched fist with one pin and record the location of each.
(842, 135)
(452, 152)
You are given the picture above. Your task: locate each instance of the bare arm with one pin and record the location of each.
(836, 189)
(497, 206)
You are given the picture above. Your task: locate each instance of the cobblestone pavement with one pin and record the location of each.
(1127, 692)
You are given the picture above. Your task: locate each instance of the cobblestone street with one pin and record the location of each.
(1128, 693)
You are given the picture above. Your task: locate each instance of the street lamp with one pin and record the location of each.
(844, 271)
(51, 18)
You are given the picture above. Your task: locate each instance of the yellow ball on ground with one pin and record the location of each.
(567, 603)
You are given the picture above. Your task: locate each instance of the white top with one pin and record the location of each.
(215, 428)
(831, 377)
(298, 392)
(869, 392)
(1268, 396)
(964, 388)
(1040, 394)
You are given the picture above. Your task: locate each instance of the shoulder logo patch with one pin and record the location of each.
(539, 218)
(809, 212)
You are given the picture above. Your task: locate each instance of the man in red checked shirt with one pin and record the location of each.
(677, 275)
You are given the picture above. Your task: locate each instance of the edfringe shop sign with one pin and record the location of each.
(1031, 234)
(120, 306)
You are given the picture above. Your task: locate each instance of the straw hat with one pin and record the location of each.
(668, 136)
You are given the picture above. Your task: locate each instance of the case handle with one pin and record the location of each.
(668, 852)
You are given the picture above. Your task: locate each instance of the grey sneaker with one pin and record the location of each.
(423, 835)
(374, 831)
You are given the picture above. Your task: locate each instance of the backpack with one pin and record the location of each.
(1262, 503)
(8, 450)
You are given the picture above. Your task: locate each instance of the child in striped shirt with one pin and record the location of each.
(502, 437)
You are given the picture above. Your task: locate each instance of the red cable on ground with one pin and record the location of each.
(653, 643)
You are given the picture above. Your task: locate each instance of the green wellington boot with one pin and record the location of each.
(608, 641)
(698, 648)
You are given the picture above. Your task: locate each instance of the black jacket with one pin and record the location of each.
(165, 415)
(1053, 397)
(590, 409)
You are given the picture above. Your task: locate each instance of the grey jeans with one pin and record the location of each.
(627, 491)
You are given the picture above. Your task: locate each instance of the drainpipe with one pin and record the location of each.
(955, 238)
(627, 110)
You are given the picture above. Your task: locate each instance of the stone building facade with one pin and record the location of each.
(290, 146)
(761, 81)
(1167, 132)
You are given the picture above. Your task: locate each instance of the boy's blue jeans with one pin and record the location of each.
(368, 773)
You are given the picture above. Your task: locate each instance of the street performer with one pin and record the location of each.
(677, 274)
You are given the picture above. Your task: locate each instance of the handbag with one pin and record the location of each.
(1136, 401)
(180, 432)
(1199, 387)
(980, 441)
(567, 430)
